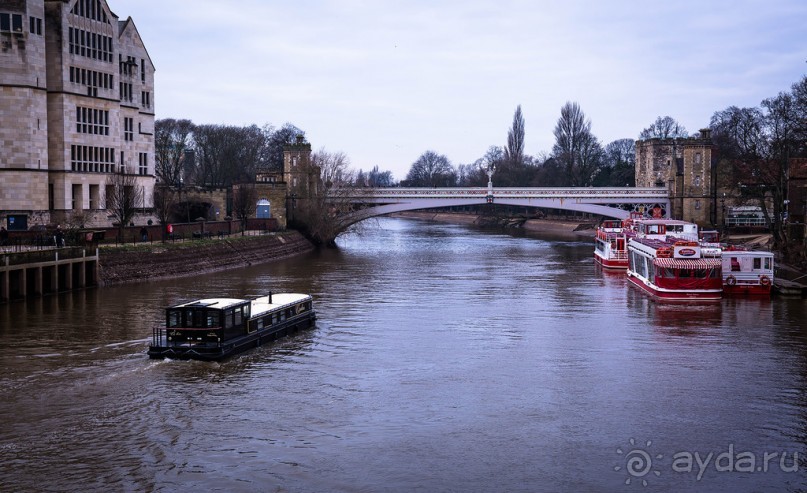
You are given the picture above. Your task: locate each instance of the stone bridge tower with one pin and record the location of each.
(684, 166)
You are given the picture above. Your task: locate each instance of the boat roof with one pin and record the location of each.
(666, 221)
(217, 303)
(754, 253)
(259, 304)
(262, 304)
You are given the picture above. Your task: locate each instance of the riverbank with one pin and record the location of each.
(577, 228)
(155, 261)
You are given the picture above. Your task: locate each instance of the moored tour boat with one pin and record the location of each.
(212, 329)
(671, 269)
(747, 272)
(610, 245)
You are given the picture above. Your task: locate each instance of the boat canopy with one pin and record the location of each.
(700, 263)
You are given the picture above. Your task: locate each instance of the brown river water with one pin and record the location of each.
(445, 358)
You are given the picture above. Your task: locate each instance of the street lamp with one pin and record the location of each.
(723, 206)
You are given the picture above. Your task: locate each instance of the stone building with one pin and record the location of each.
(76, 105)
(298, 180)
(684, 166)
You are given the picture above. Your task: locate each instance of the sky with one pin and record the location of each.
(384, 81)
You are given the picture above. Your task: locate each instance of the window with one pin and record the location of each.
(757, 263)
(143, 70)
(144, 164)
(36, 25)
(90, 159)
(174, 318)
(697, 204)
(698, 158)
(767, 264)
(89, 44)
(697, 180)
(90, 9)
(128, 129)
(11, 23)
(92, 121)
(145, 99)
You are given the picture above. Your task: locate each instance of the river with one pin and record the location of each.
(444, 359)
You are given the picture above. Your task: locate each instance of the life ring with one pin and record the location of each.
(765, 280)
(731, 281)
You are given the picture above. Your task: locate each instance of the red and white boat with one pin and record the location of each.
(665, 261)
(610, 245)
(747, 272)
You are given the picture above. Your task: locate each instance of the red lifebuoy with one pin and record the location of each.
(765, 280)
(731, 281)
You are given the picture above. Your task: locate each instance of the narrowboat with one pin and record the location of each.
(673, 270)
(747, 272)
(610, 245)
(213, 329)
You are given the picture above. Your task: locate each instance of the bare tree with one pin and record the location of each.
(431, 170)
(514, 152)
(576, 150)
(171, 139)
(665, 127)
(245, 200)
(228, 154)
(333, 168)
(756, 146)
(165, 199)
(123, 196)
(323, 197)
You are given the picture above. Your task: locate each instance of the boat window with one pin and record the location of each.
(213, 318)
(714, 273)
(757, 263)
(669, 273)
(684, 273)
(174, 318)
(193, 318)
(767, 264)
(700, 273)
(735, 264)
(228, 318)
(259, 323)
(247, 311)
(238, 316)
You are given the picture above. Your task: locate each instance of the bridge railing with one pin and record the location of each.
(559, 192)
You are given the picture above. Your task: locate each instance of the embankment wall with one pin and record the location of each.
(158, 261)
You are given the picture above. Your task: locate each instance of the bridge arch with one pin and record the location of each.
(602, 201)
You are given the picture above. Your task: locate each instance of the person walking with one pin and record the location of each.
(144, 234)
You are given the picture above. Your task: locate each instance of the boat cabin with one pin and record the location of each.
(209, 320)
(661, 229)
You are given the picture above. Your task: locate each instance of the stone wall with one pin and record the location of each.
(169, 261)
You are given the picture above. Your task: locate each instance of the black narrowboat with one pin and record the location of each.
(215, 328)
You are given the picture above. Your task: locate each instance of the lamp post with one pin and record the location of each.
(491, 169)
(723, 207)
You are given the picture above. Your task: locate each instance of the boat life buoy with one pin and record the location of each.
(731, 281)
(765, 280)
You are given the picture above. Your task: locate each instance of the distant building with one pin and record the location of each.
(76, 105)
(684, 166)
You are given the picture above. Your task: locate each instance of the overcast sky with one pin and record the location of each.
(384, 81)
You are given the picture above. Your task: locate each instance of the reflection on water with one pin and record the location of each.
(445, 359)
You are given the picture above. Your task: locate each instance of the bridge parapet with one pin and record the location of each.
(618, 194)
